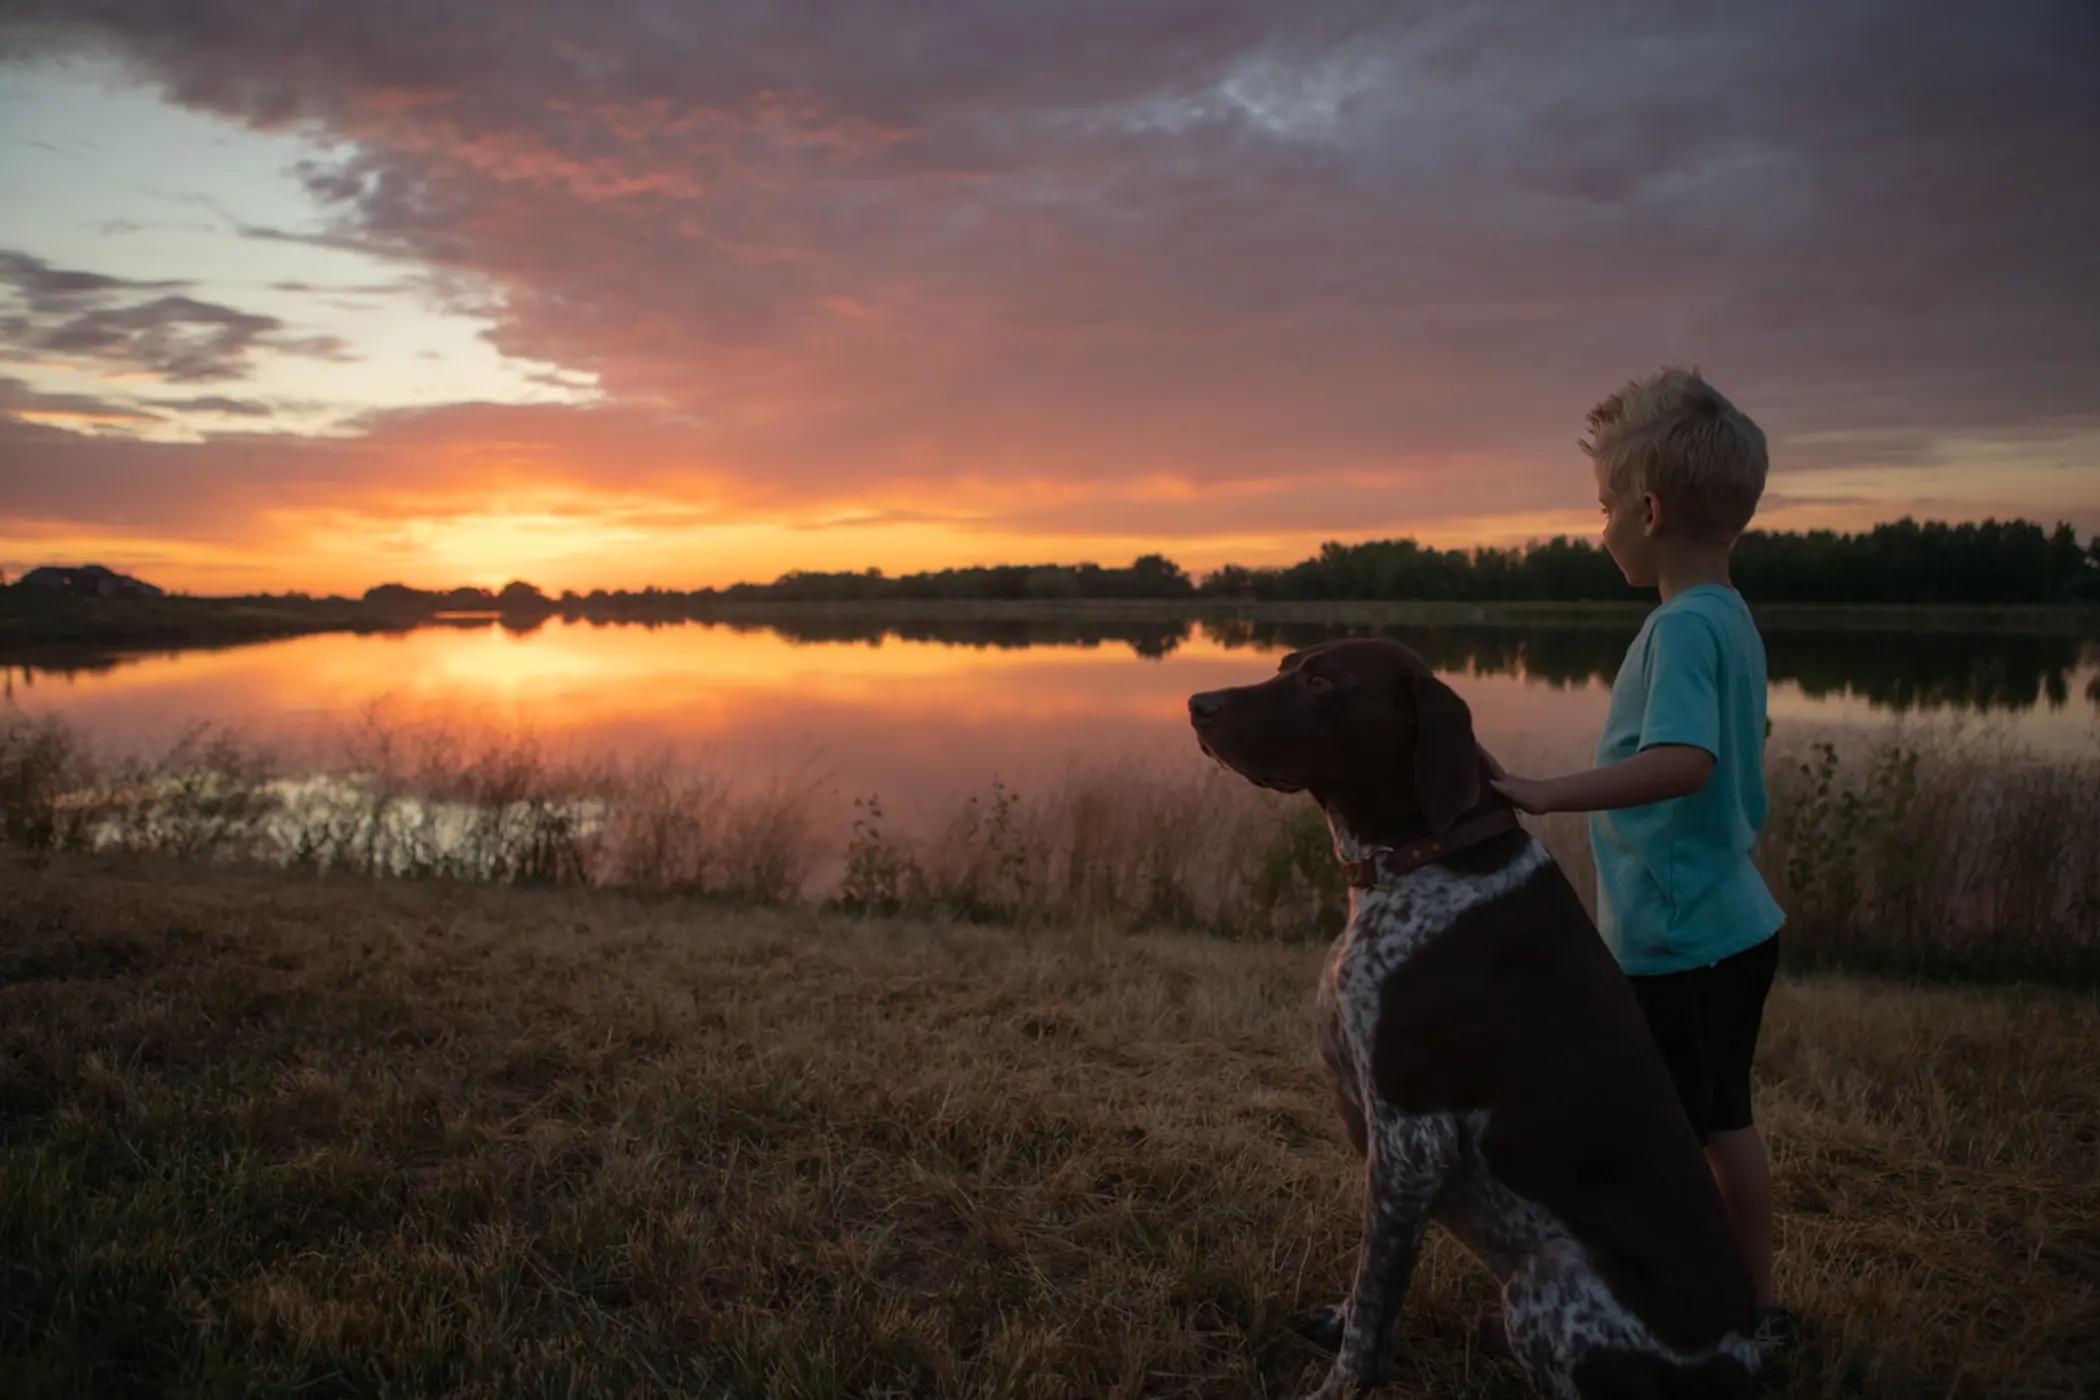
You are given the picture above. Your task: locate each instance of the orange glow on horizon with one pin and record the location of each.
(838, 308)
(463, 522)
(561, 541)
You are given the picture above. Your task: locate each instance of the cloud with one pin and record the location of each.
(213, 403)
(45, 290)
(181, 339)
(63, 313)
(356, 289)
(1319, 264)
(18, 400)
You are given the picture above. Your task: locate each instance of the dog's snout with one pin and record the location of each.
(1204, 704)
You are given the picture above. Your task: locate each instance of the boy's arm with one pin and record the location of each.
(1652, 775)
(1680, 734)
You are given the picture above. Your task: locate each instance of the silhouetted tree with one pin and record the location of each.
(1993, 562)
(519, 596)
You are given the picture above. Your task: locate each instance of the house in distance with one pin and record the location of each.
(85, 581)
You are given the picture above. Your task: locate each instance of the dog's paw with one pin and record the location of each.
(1333, 1388)
(1342, 1384)
(1322, 1326)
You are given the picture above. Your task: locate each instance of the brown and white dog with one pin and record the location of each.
(1485, 1052)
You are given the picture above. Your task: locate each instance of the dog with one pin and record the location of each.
(1485, 1053)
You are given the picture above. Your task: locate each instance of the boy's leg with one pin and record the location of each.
(1673, 1005)
(1737, 1158)
(1705, 1022)
(1734, 995)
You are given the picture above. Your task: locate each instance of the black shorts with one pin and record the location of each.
(1705, 1023)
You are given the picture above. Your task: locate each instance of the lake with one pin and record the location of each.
(918, 711)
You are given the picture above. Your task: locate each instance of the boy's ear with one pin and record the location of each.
(1651, 514)
(1447, 763)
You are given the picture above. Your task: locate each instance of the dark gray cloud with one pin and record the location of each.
(179, 338)
(358, 289)
(46, 290)
(18, 398)
(1226, 240)
(214, 403)
(47, 311)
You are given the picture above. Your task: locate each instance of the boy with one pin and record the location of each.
(1678, 794)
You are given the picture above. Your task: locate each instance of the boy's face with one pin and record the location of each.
(1629, 531)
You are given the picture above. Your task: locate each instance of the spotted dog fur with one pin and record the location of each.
(1559, 1310)
(1487, 1060)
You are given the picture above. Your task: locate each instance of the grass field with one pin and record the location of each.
(267, 1133)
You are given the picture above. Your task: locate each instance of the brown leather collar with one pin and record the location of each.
(1394, 862)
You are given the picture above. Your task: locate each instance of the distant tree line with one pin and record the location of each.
(514, 597)
(1152, 576)
(2013, 561)
(2009, 561)
(1992, 562)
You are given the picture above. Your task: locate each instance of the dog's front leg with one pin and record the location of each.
(1409, 1155)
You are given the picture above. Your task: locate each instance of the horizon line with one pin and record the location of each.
(1471, 552)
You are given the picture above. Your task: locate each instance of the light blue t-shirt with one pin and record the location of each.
(1676, 888)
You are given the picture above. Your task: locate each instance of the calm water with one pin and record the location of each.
(916, 712)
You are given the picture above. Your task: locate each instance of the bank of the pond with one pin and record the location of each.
(43, 629)
(1955, 861)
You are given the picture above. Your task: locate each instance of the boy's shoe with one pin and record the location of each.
(1774, 1335)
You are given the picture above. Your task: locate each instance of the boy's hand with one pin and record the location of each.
(1532, 795)
(1528, 794)
(1653, 775)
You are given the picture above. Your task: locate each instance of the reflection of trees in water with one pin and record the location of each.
(1559, 656)
(1151, 640)
(25, 668)
(1929, 671)
(1895, 670)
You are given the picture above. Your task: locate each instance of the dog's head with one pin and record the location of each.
(1362, 724)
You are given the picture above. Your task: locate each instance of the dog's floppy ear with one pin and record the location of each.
(1447, 767)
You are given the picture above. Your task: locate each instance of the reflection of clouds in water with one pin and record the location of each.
(1899, 671)
(918, 710)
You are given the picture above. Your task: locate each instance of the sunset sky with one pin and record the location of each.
(313, 296)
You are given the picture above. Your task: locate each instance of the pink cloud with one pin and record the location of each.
(1334, 269)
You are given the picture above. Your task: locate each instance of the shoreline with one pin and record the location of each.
(1924, 858)
(78, 630)
(2042, 619)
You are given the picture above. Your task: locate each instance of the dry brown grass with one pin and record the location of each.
(262, 1133)
(1899, 853)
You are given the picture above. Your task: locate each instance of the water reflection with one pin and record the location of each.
(1897, 671)
(1900, 672)
(1150, 639)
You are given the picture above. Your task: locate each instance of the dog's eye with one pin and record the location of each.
(1314, 681)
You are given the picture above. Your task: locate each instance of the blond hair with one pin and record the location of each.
(1675, 435)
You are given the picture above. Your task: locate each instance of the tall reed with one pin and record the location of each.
(1942, 858)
